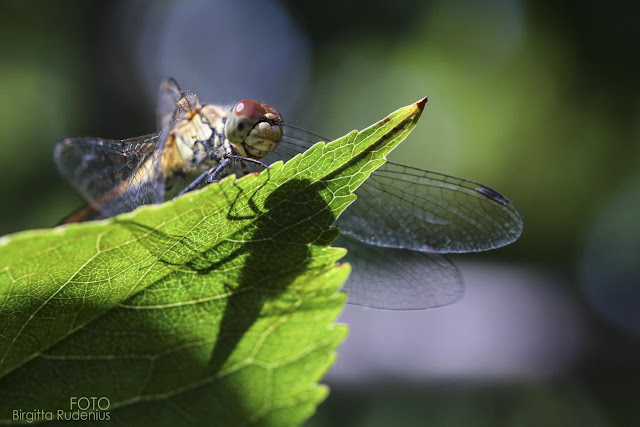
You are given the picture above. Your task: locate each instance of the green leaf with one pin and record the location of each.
(215, 308)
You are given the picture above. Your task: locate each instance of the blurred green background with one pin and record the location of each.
(537, 99)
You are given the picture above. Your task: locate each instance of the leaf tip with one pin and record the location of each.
(420, 104)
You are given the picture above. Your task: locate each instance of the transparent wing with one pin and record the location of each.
(174, 104)
(404, 207)
(168, 96)
(399, 279)
(115, 176)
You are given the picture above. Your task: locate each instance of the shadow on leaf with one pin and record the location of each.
(236, 281)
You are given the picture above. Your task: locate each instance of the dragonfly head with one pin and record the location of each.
(254, 129)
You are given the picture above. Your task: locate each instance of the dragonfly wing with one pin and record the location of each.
(113, 175)
(294, 141)
(168, 97)
(174, 104)
(399, 279)
(404, 207)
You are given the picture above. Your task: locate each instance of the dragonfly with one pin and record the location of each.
(397, 231)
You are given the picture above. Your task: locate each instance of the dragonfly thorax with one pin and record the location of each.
(197, 142)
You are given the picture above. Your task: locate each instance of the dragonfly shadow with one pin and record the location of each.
(275, 252)
(233, 214)
(257, 266)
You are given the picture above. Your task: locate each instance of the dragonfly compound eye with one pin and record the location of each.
(255, 127)
(243, 117)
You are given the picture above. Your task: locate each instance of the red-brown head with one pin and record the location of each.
(255, 127)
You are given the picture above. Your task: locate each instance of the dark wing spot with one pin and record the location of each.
(493, 195)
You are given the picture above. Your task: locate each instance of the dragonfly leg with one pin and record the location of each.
(212, 174)
(196, 182)
(216, 172)
(246, 159)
